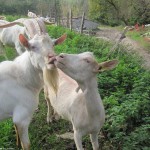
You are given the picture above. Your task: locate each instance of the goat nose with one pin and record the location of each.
(51, 55)
(61, 55)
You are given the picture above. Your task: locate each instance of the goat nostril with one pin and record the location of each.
(51, 55)
(61, 56)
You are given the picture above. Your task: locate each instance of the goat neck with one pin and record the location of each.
(32, 75)
(92, 98)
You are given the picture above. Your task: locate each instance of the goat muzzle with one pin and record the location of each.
(51, 58)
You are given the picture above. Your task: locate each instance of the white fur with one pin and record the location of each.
(9, 36)
(83, 107)
(20, 85)
(21, 81)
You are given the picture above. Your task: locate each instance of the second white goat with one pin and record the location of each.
(78, 99)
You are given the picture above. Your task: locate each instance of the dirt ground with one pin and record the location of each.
(113, 35)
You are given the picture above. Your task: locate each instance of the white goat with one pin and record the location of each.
(21, 81)
(9, 31)
(9, 36)
(33, 15)
(78, 100)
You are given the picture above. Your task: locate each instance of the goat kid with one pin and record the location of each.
(21, 81)
(78, 99)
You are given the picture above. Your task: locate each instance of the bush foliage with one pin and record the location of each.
(126, 96)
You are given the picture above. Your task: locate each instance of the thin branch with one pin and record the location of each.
(123, 35)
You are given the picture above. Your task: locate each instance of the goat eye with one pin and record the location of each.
(33, 47)
(86, 60)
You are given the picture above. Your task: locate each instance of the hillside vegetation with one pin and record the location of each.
(110, 12)
(126, 96)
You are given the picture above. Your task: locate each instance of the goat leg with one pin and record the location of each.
(18, 142)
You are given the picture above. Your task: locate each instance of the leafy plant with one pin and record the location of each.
(125, 92)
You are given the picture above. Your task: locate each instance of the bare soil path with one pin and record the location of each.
(113, 35)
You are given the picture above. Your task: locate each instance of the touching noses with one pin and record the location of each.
(51, 58)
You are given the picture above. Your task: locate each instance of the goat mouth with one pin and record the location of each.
(58, 63)
(52, 60)
(61, 63)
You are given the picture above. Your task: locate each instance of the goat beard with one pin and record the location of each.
(51, 77)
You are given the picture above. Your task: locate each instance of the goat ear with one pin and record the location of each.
(24, 41)
(60, 39)
(107, 65)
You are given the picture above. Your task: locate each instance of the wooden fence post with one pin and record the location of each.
(67, 20)
(82, 23)
(70, 19)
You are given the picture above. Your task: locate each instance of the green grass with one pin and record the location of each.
(12, 18)
(125, 92)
